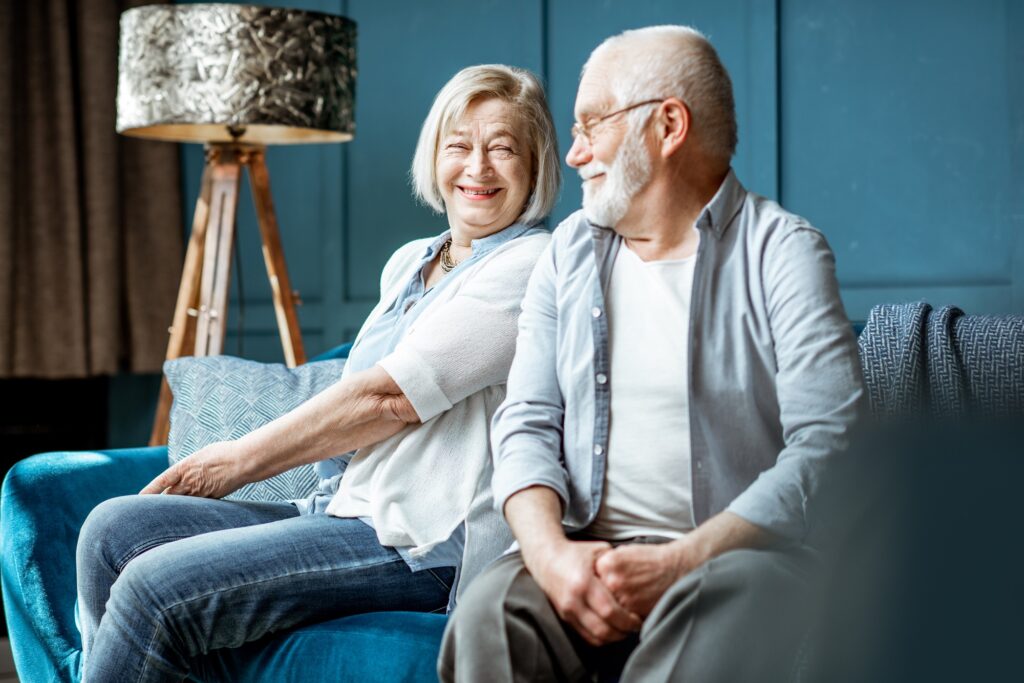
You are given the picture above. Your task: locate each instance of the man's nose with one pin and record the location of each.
(580, 152)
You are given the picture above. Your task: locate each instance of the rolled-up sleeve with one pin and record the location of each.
(526, 434)
(466, 343)
(818, 383)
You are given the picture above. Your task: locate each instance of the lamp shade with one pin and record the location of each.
(242, 73)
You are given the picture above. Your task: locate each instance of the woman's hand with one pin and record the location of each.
(213, 471)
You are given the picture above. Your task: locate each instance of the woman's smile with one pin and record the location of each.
(477, 194)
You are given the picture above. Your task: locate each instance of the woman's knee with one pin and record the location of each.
(120, 529)
(108, 527)
(147, 587)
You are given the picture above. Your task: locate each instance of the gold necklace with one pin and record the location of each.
(447, 262)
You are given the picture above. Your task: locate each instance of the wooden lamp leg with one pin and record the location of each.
(273, 256)
(183, 326)
(201, 310)
(200, 314)
(220, 235)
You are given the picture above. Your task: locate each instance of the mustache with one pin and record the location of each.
(592, 169)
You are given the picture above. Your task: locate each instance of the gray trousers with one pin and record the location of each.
(739, 617)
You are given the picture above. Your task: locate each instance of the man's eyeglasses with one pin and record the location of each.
(587, 129)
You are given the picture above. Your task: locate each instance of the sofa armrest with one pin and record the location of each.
(339, 351)
(44, 501)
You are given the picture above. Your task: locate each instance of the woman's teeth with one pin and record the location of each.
(476, 193)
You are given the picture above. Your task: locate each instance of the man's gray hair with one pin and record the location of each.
(675, 61)
(525, 94)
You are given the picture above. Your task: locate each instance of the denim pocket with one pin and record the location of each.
(445, 576)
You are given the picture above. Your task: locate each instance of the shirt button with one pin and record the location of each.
(596, 312)
(602, 378)
(598, 450)
(700, 465)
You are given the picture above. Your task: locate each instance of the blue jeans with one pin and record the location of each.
(163, 580)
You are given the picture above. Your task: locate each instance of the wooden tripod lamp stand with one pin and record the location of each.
(236, 78)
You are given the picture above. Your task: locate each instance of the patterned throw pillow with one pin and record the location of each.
(220, 398)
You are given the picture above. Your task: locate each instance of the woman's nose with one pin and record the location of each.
(478, 165)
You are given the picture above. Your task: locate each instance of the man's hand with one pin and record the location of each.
(637, 575)
(564, 569)
(565, 572)
(211, 472)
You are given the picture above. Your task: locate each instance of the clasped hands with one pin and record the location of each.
(603, 592)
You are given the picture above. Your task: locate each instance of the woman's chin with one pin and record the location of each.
(479, 223)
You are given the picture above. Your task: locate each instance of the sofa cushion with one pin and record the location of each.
(220, 398)
(382, 647)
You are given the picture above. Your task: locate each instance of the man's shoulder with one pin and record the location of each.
(770, 229)
(572, 241)
(573, 230)
(770, 220)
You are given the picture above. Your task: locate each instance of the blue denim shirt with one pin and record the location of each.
(774, 376)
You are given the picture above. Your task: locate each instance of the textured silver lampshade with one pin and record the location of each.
(236, 73)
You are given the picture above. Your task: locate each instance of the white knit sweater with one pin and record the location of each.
(419, 485)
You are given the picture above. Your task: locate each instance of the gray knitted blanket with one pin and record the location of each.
(917, 360)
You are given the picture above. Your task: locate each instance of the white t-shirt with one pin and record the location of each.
(647, 489)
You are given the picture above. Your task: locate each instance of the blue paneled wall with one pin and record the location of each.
(897, 128)
(902, 136)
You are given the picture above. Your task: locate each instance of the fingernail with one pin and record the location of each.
(165, 490)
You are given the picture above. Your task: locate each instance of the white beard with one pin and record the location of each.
(629, 172)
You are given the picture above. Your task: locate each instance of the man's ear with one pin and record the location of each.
(673, 126)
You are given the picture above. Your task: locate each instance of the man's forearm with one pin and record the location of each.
(724, 532)
(564, 569)
(535, 517)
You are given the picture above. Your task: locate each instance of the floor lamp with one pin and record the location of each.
(236, 78)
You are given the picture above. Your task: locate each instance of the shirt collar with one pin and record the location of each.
(717, 214)
(480, 246)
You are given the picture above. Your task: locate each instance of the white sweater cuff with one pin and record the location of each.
(416, 380)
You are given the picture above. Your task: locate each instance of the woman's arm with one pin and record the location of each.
(467, 342)
(357, 411)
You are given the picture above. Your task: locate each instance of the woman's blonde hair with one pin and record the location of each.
(523, 91)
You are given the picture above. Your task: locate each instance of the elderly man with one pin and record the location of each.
(684, 378)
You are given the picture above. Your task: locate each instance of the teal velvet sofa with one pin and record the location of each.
(908, 352)
(38, 553)
(45, 500)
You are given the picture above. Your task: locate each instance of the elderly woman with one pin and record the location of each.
(165, 578)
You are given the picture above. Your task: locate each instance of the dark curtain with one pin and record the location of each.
(90, 221)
